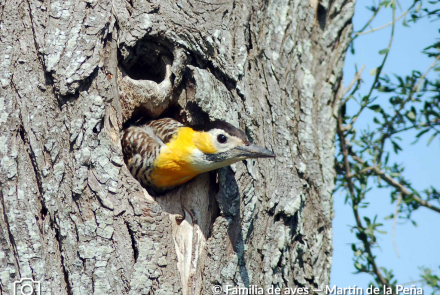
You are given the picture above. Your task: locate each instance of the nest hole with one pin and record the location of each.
(147, 61)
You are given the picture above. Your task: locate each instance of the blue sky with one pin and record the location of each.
(418, 246)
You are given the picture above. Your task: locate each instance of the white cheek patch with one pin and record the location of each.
(200, 163)
(232, 141)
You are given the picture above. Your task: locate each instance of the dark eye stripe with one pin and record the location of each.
(221, 138)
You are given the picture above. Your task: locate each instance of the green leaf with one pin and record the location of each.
(422, 132)
(411, 116)
(437, 69)
(385, 89)
(385, 3)
(432, 137)
(367, 220)
(404, 23)
(373, 72)
(396, 147)
(375, 107)
(384, 51)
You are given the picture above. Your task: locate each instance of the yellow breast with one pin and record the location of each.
(175, 163)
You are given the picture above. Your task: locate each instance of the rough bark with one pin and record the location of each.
(74, 72)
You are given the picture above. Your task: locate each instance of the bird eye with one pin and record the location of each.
(221, 138)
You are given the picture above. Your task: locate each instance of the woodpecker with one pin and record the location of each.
(163, 154)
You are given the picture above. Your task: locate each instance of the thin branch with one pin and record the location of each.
(361, 172)
(379, 70)
(388, 179)
(367, 24)
(386, 25)
(396, 212)
(356, 80)
(413, 282)
(416, 87)
(361, 228)
(424, 124)
(432, 123)
(357, 77)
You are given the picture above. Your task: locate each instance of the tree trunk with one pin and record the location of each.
(74, 73)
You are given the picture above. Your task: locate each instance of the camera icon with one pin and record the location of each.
(26, 286)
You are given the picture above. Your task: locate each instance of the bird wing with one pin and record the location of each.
(142, 144)
(164, 128)
(140, 147)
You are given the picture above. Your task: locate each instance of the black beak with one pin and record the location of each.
(255, 151)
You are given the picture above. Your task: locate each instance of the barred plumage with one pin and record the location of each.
(141, 145)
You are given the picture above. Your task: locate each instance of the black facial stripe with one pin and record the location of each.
(219, 157)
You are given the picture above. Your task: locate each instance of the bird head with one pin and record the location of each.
(220, 144)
